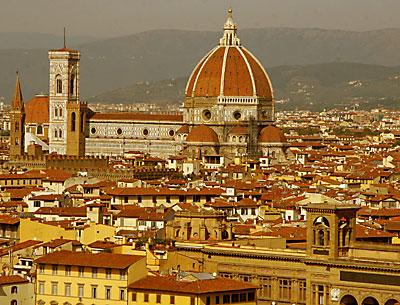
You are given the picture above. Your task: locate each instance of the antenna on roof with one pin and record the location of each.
(65, 45)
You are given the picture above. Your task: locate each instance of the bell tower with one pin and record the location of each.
(67, 113)
(331, 229)
(17, 122)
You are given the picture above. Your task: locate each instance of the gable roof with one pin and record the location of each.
(83, 259)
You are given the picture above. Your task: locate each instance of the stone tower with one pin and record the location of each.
(17, 120)
(67, 113)
(76, 129)
(331, 229)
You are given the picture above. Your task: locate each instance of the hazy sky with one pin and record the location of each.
(105, 18)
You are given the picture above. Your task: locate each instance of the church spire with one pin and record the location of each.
(17, 103)
(230, 36)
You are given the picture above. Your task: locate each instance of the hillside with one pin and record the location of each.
(308, 87)
(26, 40)
(165, 54)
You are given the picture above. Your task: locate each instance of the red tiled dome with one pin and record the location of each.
(272, 134)
(235, 68)
(37, 110)
(183, 129)
(229, 70)
(202, 134)
(239, 130)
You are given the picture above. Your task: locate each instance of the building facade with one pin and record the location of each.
(332, 268)
(65, 277)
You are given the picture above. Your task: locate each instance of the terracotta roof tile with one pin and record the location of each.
(19, 246)
(37, 110)
(11, 280)
(101, 260)
(203, 134)
(130, 116)
(170, 284)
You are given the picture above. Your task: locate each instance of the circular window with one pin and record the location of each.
(119, 131)
(145, 132)
(237, 115)
(93, 130)
(206, 115)
(171, 133)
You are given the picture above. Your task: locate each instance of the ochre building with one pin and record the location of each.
(331, 269)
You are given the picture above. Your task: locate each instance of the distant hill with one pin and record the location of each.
(316, 86)
(164, 54)
(26, 40)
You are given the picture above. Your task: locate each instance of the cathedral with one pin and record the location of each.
(228, 110)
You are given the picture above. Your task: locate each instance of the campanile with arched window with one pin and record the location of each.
(66, 109)
(331, 229)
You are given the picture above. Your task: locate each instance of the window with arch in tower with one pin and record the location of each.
(59, 87)
(321, 232)
(72, 84)
(60, 133)
(73, 121)
(82, 122)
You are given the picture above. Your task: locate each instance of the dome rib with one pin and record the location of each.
(267, 89)
(249, 69)
(191, 82)
(207, 74)
(222, 85)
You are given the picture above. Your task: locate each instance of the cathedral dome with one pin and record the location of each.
(272, 134)
(202, 134)
(229, 70)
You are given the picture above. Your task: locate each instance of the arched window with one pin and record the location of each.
(73, 121)
(344, 232)
(55, 133)
(14, 289)
(72, 84)
(392, 302)
(16, 126)
(321, 238)
(60, 133)
(60, 112)
(56, 112)
(59, 87)
(321, 232)
(14, 302)
(39, 130)
(82, 121)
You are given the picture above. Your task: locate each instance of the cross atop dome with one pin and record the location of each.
(230, 37)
